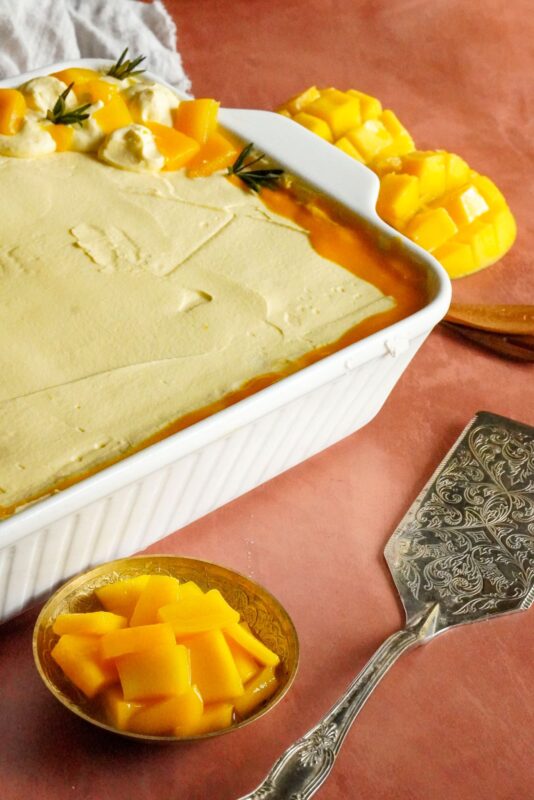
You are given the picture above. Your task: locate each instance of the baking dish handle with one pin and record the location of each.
(306, 155)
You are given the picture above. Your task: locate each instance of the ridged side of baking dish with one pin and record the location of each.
(134, 503)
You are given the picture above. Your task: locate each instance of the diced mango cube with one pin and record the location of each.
(94, 91)
(196, 118)
(252, 645)
(370, 138)
(257, 691)
(218, 153)
(121, 596)
(118, 710)
(348, 148)
(113, 115)
(135, 640)
(429, 168)
(76, 75)
(431, 228)
(196, 614)
(398, 199)
(246, 665)
(177, 148)
(457, 258)
(402, 141)
(370, 107)
(215, 717)
(482, 239)
(12, 111)
(159, 590)
(175, 716)
(314, 124)
(456, 171)
(63, 136)
(213, 668)
(155, 673)
(91, 623)
(300, 101)
(79, 658)
(464, 205)
(339, 110)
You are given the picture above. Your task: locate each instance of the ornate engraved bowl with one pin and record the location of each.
(265, 615)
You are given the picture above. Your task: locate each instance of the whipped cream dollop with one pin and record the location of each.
(42, 93)
(152, 102)
(32, 140)
(132, 147)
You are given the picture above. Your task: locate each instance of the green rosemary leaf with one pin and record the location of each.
(254, 179)
(59, 115)
(123, 68)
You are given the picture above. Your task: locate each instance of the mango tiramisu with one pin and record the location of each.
(144, 284)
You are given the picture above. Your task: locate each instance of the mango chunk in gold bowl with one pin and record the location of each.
(165, 648)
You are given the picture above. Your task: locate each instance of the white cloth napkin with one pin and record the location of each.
(35, 33)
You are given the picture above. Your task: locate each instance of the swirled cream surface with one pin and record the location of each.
(130, 300)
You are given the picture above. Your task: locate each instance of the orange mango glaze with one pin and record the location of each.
(347, 244)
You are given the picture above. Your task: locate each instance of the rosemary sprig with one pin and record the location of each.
(122, 69)
(60, 115)
(254, 179)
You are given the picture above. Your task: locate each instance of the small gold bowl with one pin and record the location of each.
(268, 620)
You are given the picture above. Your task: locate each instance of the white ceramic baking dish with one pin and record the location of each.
(128, 506)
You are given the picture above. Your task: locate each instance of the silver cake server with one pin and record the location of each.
(464, 552)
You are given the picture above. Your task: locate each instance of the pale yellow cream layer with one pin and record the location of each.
(128, 301)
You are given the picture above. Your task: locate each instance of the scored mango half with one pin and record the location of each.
(433, 197)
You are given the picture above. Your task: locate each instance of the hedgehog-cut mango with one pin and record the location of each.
(433, 196)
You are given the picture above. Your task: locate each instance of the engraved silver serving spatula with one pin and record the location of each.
(464, 552)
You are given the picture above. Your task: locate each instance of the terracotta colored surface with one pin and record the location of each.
(452, 720)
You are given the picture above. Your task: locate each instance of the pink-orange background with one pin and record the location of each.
(452, 720)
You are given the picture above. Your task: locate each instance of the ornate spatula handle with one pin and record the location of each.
(306, 764)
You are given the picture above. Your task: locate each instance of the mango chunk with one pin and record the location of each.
(246, 665)
(482, 239)
(456, 171)
(216, 154)
(252, 645)
(348, 148)
(370, 107)
(79, 658)
(429, 168)
(159, 590)
(432, 228)
(121, 596)
(402, 142)
(177, 148)
(299, 101)
(96, 90)
(215, 717)
(457, 258)
(213, 668)
(88, 624)
(76, 75)
(315, 125)
(197, 614)
(196, 118)
(175, 716)
(339, 110)
(464, 205)
(118, 710)
(12, 111)
(63, 136)
(155, 673)
(505, 227)
(114, 114)
(398, 199)
(257, 691)
(189, 589)
(135, 640)
(370, 138)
